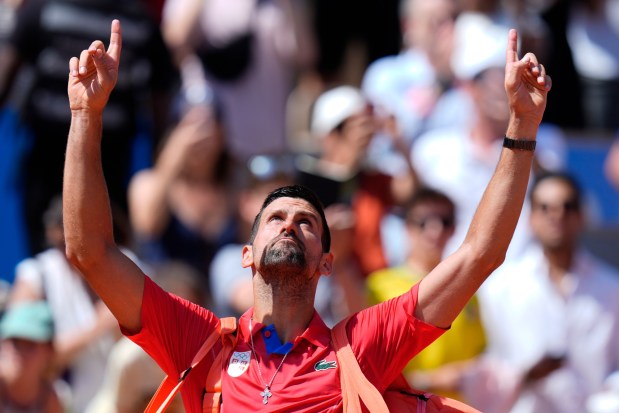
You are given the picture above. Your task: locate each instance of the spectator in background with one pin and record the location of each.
(44, 36)
(344, 122)
(181, 208)
(417, 85)
(460, 161)
(486, 18)
(524, 15)
(85, 330)
(552, 316)
(26, 360)
(542, 27)
(250, 51)
(439, 368)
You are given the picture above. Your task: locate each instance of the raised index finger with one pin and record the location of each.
(512, 47)
(116, 40)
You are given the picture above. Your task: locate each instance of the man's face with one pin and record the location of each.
(288, 240)
(430, 225)
(429, 24)
(21, 357)
(556, 219)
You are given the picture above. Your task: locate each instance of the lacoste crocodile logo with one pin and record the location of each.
(324, 365)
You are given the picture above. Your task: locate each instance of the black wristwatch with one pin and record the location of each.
(523, 145)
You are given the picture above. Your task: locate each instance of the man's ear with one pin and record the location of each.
(248, 256)
(326, 263)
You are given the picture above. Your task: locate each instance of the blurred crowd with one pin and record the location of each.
(393, 111)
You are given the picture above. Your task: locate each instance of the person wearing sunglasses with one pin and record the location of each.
(430, 223)
(552, 316)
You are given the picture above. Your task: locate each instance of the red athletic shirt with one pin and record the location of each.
(383, 337)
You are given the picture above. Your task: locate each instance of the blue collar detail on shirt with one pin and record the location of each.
(272, 341)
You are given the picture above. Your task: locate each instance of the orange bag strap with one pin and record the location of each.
(170, 386)
(212, 396)
(354, 384)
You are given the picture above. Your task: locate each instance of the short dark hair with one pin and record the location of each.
(427, 194)
(301, 192)
(565, 177)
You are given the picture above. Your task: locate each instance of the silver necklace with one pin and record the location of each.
(266, 393)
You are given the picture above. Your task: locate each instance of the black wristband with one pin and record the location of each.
(521, 144)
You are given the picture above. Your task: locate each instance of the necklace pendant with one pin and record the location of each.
(265, 395)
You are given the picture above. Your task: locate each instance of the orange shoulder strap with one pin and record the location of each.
(170, 385)
(212, 396)
(354, 383)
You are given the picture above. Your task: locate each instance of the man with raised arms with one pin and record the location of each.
(283, 359)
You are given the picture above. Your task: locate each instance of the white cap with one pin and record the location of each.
(335, 106)
(480, 44)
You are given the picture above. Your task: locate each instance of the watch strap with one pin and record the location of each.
(521, 144)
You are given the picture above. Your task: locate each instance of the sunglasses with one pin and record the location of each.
(422, 223)
(569, 206)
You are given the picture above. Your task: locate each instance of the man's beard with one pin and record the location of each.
(283, 257)
(284, 267)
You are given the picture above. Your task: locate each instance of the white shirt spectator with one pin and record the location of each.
(527, 318)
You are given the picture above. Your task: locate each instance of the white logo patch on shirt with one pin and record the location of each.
(239, 363)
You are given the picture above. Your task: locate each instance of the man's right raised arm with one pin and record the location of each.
(87, 214)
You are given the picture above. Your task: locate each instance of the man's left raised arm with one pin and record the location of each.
(444, 292)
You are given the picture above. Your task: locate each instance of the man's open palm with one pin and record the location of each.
(93, 75)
